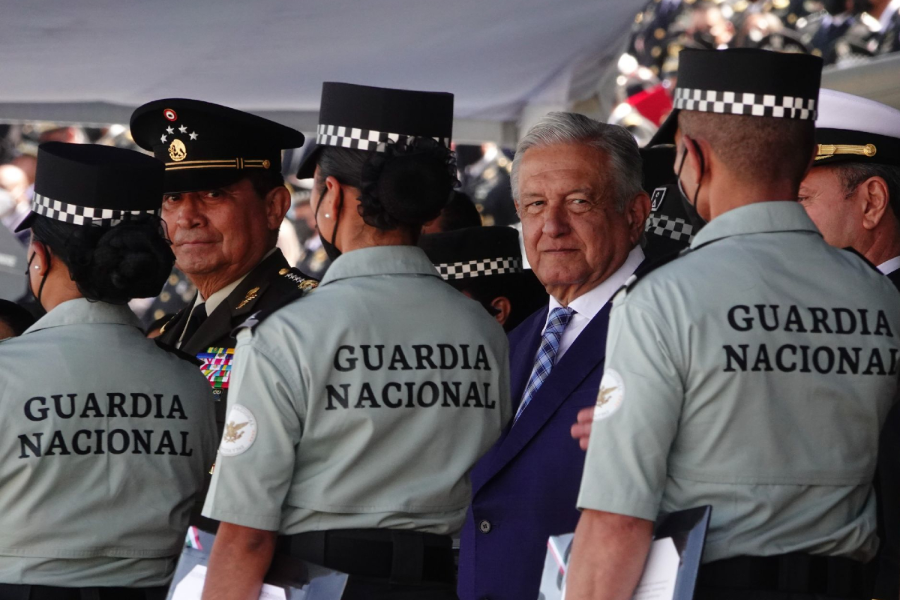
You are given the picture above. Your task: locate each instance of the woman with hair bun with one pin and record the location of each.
(366, 406)
(106, 435)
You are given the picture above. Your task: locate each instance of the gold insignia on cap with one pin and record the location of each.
(177, 151)
(284, 271)
(266, 164)
(251, 295)
(829, 150)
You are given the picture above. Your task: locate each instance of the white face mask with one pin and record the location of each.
(7, 203)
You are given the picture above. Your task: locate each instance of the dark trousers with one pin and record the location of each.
(43, 592)
(361, 589)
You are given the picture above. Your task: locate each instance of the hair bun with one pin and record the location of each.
(129, 260)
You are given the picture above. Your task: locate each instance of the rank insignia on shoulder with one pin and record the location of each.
(251, 295)
(656, 200)
(303, 283)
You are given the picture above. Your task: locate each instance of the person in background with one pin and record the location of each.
(459, 213)
(577, 190)
(14, 319)
(109, 434)
(485, 264)
(852, 194)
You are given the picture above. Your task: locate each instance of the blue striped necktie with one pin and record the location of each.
(546, 354)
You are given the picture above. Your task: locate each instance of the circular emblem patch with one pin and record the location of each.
(170, 114)
(177, 151)
(240, 431)
(612, 392)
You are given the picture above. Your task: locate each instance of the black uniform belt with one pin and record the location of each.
(10, 591)
(798, 573)
(395, 555)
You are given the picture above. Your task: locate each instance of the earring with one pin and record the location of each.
(327, 216)
(37, 266)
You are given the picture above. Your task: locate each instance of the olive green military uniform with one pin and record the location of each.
(365, 405)
(105, 441)
(753, 374)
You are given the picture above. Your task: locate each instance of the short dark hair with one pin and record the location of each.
(264, 182)
(460, 213)
(16, 317)
(755, 148)
(853, 174)
(523, 290)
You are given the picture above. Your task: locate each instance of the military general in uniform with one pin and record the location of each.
(358, 412)
(739, 375)
(106, 436)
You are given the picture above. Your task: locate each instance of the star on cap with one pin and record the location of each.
(169, 130)
(193, 135)
(162, 138)
(182, 129)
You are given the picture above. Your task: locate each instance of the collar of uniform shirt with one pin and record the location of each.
(587, 305)
(82, 311)
(379, 260)
(759, 217)
(889, 266)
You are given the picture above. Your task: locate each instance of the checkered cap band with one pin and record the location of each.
(363, 139)
(82, 215)
(675, 228)
(479, 268)
(736, 103)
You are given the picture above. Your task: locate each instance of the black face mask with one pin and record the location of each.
(330, 249)
(37, 297)
(690, 209)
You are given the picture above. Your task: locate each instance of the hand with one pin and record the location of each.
(581, 430)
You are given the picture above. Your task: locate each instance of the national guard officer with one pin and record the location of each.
(106, 435)
(739, 375)
(357, 414)
(224, 202)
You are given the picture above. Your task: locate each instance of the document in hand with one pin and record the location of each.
(672, 565)
(290, 579)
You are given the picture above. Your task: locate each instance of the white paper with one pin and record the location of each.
(660, 572)
(191, 587)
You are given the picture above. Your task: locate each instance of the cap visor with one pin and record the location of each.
(26, 222)
(308, 168)
(666, 132)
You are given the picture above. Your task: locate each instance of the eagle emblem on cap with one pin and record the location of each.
(177, 150)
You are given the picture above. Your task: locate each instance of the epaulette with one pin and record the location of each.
(648, 266)
(182, 355)
(305, 285)
(855, 252)
(297, 276)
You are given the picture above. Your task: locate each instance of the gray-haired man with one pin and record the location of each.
(577, 187)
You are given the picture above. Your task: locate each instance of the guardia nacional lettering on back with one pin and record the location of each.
(96, 409)
(409, 394)
(823, 358)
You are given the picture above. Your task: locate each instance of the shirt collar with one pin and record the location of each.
(889, 266)
(759, 217)
(380, 260)
(591, 302)
(217, 297)
(83, 311)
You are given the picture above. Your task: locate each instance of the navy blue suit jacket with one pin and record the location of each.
(525, 488)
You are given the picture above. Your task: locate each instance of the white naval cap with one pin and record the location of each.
(851, 128)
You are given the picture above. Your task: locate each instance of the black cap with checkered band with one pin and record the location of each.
(206, 146)
(86, 184)
(367, 118)
(742, 81)
(474, 252)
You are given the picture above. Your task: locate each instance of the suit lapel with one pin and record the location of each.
(582, 357)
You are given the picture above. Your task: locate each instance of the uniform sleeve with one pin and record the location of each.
(636, 416)
(255, 463)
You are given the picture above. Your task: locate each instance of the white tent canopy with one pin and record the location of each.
(94, 61)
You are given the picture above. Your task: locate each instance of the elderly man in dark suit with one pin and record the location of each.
(577, 188)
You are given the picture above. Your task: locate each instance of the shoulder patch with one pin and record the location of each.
(297, 276)
(182, 355)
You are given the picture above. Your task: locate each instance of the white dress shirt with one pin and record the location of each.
(889, 266)
(587, 305)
